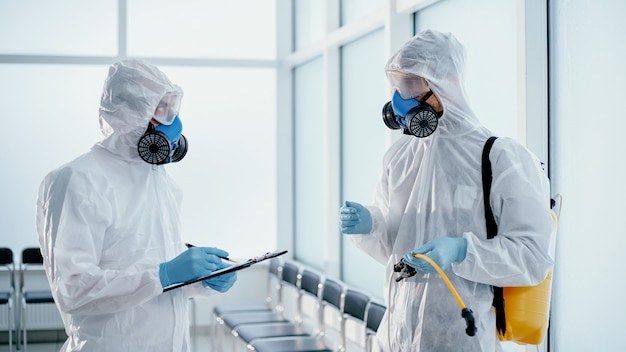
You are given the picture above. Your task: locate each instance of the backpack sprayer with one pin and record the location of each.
(527, 307)
(406, 270)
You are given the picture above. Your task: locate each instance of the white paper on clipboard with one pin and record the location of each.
(229, 269)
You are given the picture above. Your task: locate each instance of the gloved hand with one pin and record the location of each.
(443, 251)
(355, 219)
(191, 264)
(223, 282)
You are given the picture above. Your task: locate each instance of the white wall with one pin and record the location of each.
(587, 75)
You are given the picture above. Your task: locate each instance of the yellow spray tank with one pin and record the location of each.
(527, 309)
(527, 312)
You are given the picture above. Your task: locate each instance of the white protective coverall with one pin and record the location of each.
(107, 219)
(431, 187)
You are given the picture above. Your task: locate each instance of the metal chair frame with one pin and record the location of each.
(332, 296)
(309, 285)
(373, 317)
(31, 258)
(7, 297)
(355, 308)
(219, 331)
(289, 272)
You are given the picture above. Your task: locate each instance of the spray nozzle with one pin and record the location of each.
(404, 269)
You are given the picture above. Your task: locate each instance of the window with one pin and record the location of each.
(309, 163)
(363, 136)
(216, 29)
(229, 173)
(46, 28)
(229, 114)
(354, 10)
(491, 56)
(309, 22)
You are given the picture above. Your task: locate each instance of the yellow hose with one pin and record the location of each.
(444, 277)
(466, 313)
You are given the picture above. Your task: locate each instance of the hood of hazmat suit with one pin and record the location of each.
(131, 93)
(105, 222)
(431, 187)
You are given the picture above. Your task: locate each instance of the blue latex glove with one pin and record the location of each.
(221, 283)
(355, 219)
(191, 264)
(443, 251)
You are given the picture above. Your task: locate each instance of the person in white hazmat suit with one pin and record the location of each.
(109, 225)
(429, 200)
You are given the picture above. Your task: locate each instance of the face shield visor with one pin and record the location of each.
(409, 86)
(168, 109)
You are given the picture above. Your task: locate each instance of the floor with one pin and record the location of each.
(200, 343)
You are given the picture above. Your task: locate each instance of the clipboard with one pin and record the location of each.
(229, 269)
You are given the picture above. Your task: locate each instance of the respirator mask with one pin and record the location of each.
(404, 111)
(164, 143)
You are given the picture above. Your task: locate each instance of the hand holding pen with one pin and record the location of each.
(189, 245)
(220, 283)
(191, 264)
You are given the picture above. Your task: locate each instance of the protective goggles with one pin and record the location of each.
(408, 85)
(168, 109)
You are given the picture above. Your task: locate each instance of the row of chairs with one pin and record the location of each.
(16, 321)
(304, 311)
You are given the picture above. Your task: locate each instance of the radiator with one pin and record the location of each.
(4, 321)
(42, 316)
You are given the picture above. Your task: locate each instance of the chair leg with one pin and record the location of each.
(217, 333)
(23, 327)
(10, 322)
(18, 327)
(220, 329)
(24, 336)
(213, 333)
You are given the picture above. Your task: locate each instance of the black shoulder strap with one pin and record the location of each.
(492, 227)
(492, 231)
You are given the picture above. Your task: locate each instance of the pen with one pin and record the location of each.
(189, 245)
